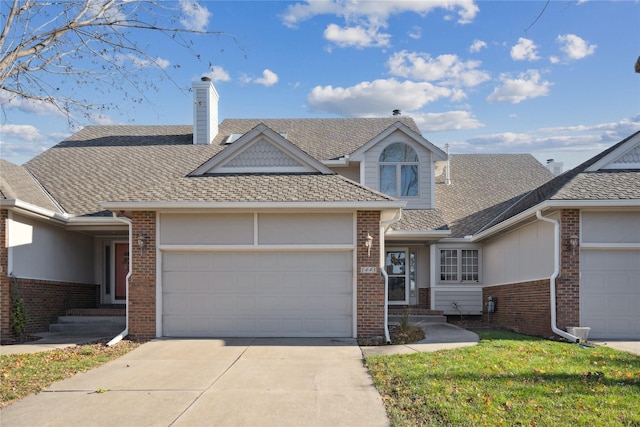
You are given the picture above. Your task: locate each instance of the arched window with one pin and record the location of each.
(399, 171)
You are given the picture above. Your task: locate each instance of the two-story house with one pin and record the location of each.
(277, 227)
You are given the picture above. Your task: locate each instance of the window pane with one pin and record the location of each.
(388, 183)
(469, 265)
(398, 152)
(397, 288)
(396, 262)
(409, 175)
(448, 264)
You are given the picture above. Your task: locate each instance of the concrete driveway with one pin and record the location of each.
(233, 382)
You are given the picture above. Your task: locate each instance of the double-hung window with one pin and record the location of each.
(399, 171)
(459, 265)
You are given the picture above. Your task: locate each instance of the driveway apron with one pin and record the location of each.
(214, 382)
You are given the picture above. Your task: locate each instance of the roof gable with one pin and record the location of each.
(261, 150)
(625, 155)
(438, 154)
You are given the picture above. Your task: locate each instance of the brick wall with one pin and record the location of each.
(424, 298)
(45, 300)
(568, 283)
(522, 307)
(142, 284)
(5, 297)
(370, 305)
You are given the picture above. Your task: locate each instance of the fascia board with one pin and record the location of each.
(618, 152)
(438, 153)
(137, 206)
(553, 204)
(32, 210)
(435, 234)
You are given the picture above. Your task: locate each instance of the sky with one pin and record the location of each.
(555, 79)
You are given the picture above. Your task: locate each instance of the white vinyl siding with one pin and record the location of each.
(463, 300)
(425, 174)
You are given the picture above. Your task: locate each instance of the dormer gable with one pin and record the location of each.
(261, 151)
(438, 154)
(625, 156)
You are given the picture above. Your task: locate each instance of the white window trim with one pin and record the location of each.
(459, 265)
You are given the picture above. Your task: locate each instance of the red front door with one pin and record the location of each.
(122, 269)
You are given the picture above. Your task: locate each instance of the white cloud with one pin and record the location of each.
(415, 32)
(575, 47)
(217, 74)
(11, 100)
(196, 17)
(446, 69)
(524, 50)
(23, 132)
(357, 36)
(351, 9)
(365, 19)
(515, 90)
(376, 98)
(448, 121)
(477, 45)
(269, 78)
(140, 62)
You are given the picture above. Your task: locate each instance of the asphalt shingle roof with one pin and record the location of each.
(483, 186)
(109, 163)
(17, 183)
(420, 220)
(258, 188)
(579, 184)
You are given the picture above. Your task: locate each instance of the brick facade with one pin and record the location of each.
(370, 292)
(45, 300)
(5, 296)
(568, 283)
(142, 284)
(526, 307)
(424, 298)
(522, 307)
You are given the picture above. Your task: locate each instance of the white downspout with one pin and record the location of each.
(554, 276)
(124, 333)
(384, 225)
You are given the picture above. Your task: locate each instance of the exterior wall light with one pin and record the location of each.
(573, 242)
(368, 243)
(142, 242)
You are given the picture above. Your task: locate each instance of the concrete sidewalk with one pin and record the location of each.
(231, 382)
(437, 336)
(50, 341)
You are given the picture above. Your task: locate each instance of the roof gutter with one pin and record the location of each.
(384, 225)
(554, 276)
(564, 204)
(125, 332)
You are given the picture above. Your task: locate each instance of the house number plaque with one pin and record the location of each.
(368, 269)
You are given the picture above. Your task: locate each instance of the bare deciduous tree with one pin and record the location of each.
(64, 54)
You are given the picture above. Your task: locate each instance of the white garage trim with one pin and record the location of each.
(253, 248)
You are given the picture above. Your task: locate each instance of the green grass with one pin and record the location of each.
(25, 374)
(512, 380)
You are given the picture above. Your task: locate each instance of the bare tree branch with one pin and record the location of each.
(50, 50)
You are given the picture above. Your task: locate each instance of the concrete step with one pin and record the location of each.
(413, 319)
(102, 311)
(88, 325)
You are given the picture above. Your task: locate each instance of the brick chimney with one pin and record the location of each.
(205, 111)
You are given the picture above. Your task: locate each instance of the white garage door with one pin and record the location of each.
(610, 293)
(261, 294)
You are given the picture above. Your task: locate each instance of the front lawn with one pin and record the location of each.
(510, 379)
(24, 374)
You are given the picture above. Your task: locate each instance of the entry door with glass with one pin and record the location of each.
(398, 270)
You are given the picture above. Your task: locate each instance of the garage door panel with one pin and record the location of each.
(258, 294)
(610, 293)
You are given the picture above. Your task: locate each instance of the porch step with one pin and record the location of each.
(101, 312)
(413, 319)
(414, 311)
(89, 325)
